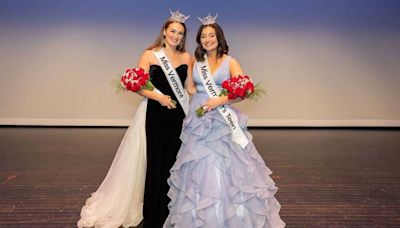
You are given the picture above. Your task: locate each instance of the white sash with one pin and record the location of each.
(227, 113)
(173, 79)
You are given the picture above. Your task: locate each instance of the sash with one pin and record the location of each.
(173, 80)
(227, 113)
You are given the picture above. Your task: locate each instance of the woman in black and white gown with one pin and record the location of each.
(135, 187)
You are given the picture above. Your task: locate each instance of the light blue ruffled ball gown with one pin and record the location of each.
(214, 182)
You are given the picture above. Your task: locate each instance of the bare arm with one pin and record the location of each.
(235, 68)
(189, 84)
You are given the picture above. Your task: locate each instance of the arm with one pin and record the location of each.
(189, 84)
(235, 70)
(164, 100)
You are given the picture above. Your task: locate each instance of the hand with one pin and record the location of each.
(166, 100)
(212, 103)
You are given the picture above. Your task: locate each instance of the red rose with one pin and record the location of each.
(136, 87)
(225, 84)
(249, 86)
(240, 92)
(128, 86)
(231, 96)
(139, 71)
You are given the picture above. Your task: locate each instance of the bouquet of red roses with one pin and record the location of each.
(135, 79)
(240, 87)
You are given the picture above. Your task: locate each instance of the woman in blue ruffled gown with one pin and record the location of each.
(214, 182)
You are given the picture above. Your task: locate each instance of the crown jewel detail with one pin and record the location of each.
(208, 20)
(177, 16)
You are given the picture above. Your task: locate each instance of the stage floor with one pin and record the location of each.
(326, 177)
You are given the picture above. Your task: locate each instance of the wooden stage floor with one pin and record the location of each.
(326, 177)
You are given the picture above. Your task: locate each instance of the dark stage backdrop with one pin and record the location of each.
(323, 63)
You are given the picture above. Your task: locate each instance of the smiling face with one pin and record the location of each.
(208, 39)
(174, 34)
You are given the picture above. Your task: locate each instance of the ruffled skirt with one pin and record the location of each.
(216, 183)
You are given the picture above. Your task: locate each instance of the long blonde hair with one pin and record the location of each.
(159, 42)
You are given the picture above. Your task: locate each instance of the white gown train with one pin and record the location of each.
(119, 199)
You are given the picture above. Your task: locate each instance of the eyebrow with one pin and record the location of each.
(176, 29)
(211, 33)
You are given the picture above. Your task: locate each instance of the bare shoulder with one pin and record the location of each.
(233, 62)
(235, 67)
(146, 59)
(186, 57)
(147, 54)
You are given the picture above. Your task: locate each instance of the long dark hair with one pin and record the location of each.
(159, 42)
(222, 45)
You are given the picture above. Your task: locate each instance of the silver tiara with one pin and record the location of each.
(208, 20)
(176, 16)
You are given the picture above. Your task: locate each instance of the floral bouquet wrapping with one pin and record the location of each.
(240, 87)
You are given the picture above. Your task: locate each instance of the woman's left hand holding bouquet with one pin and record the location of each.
(213, 103)
(166, 100)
